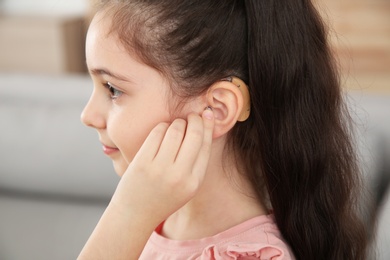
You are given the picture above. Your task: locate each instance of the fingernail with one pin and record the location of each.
(208, 113)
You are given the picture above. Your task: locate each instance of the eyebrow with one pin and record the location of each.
(102, 71)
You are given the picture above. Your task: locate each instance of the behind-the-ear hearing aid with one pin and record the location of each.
(246, 109)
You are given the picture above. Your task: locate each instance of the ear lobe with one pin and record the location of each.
(226, 100)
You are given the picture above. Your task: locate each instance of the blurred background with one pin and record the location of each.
(54, 180)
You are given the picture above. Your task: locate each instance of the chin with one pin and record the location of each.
(119, 168)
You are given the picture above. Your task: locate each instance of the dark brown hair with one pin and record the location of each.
(296, 142)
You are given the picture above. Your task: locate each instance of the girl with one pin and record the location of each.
(225, 120)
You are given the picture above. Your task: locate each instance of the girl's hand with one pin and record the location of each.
(168, 169)
(164, 175)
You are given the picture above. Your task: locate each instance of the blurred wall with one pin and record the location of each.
(43, 36)
(360, 35)
(44, 6)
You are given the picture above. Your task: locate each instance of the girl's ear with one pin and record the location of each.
(226, 101)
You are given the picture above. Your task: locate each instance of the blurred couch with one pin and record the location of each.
(371, 114)
(55, 181)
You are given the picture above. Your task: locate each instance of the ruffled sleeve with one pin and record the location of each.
(244, 251)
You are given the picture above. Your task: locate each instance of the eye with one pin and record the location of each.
(114, 93)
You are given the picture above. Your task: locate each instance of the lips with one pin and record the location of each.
(109, 150)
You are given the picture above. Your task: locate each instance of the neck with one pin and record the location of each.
(224, 200)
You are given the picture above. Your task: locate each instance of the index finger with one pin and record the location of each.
(198, 139)
(201, 163)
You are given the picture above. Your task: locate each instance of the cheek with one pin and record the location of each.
(127, 135)
(129, 132)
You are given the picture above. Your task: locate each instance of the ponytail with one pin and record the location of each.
(308, 163)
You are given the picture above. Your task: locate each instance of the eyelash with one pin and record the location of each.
(114, 93)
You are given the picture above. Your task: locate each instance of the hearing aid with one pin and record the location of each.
(246, 109)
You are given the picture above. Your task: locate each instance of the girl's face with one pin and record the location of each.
(129, 98)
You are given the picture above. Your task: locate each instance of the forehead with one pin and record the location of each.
(103, 45)
(99, 36)
(105, 51)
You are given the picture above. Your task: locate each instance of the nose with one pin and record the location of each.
(93, 114)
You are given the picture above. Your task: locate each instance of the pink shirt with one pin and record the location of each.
(257, 238)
